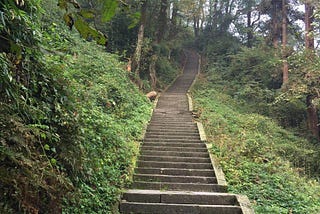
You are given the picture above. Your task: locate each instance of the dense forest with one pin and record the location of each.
(73, 109)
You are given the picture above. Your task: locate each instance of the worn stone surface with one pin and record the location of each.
(175, 172)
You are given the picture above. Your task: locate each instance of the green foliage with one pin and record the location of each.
(111, 115)
(88, 32)
(69, 119)
(77, 19)
(256, 66)
(122, 32)
(253, 76)
(218, 44)
(35, 117)
(304, 79)
(259, 158)
(166, 72)
(166, 57)
(109, 9)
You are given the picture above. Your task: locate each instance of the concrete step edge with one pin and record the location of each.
(187, 206)
(175, 159)
(174, 171)
(184, 158)
(180, 197)
(190, 133)
(174, 153)
(176, 164)
(171, 140)
(199, 187)
(174, 144)
(174, 179)
(172, 149)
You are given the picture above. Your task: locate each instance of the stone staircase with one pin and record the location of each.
(175, 173)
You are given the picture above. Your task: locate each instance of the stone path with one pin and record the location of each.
(175, 173)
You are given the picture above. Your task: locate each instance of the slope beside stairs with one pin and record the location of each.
(175, 172)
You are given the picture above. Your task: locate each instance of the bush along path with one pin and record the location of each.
(175, 173)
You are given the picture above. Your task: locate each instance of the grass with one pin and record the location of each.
(260, 159)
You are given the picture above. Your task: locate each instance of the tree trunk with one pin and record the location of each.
(196, 26)
(136, 61)
(152, 72)
(162, 20)
(274, 23)
(312, 114)
(203, 18)
(285, 69)
(173, 20)
(249, 28)
(309, 40)
(312, 111)
(214, 14)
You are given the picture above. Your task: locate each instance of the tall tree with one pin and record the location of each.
(285, 69)
(249, 8)
(275, 22)
(162, 20)
(136, 59)
(312, 112)
(212, 10)
(249, 26)
(174, 18)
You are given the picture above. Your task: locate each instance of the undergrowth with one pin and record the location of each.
(70, 119)
(260, 159)
(111, 113)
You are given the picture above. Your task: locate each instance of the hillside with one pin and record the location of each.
(68, 144)
(256, 154)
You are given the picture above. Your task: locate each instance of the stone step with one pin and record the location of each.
(166, 186)
(160, 112)
(180, 197)
(168, 94)
(181, 112)
(162, 129)
(173, 134)
(183, 165)
(172, 123)
(160, 208)
(171, 120)
(173, 115)
(174, 178)
(174, 159)
(173, 149)
(171, 140)
(174, 98)
(172, 126)
(167, 101)
(172, 137)
(174, 144)
(156, 126)
(176, 103)
(170, 131)
(176, 171)
(167, 126)
(175, 153)
(183, 117)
